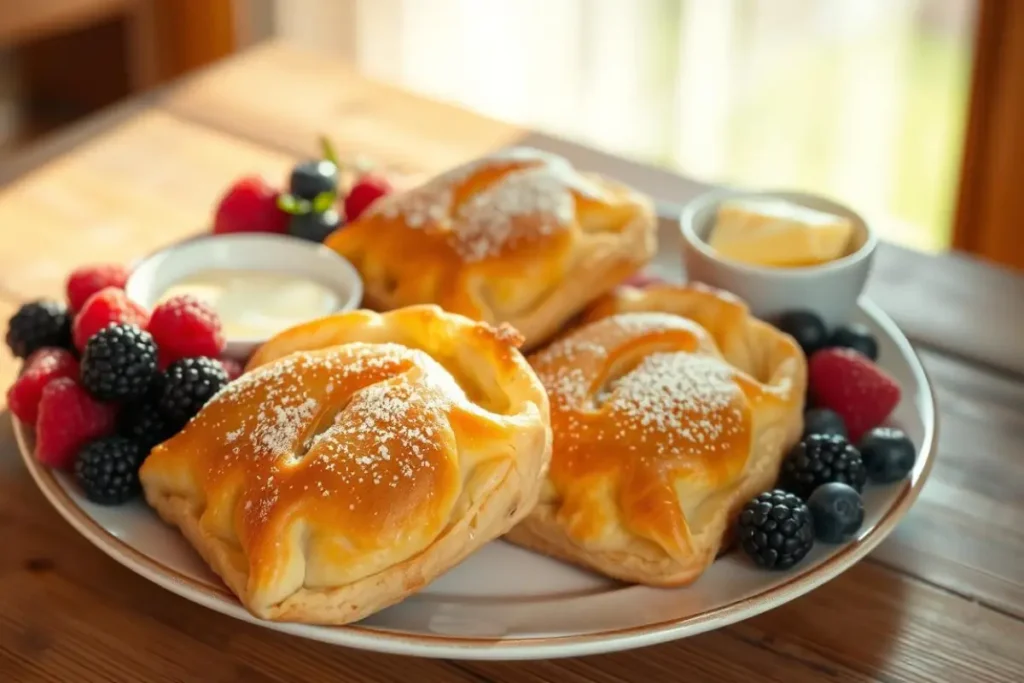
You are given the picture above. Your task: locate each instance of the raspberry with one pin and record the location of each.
(106, 307)
(365, 192)
(68, 419)
(250, 205)
(87, 280)
(232, 367)
(184, 326)
(42, 367)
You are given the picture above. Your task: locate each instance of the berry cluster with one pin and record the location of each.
(844, 445)
(316, 204)
(104, 380)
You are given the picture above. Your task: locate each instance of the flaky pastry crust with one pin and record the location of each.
(519, 237)
(671, 407)
(359, 457)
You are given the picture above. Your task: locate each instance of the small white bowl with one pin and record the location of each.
(152, 276)
(831, 289)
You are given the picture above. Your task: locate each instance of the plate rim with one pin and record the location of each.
(355, 635)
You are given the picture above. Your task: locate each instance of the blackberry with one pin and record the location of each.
(822, 459)
(119, 363)
(38, 324)
(146, 425)
(108, 470)
(188, 384)
(776, 530)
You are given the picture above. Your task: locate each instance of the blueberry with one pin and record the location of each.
(806, 328)
(314, 226)
(888, 454)
(837, 511)
(311, 178)
(856, 337)
(823, 421)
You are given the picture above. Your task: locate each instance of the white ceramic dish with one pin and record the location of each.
(152, 275)
(508, 603)
(831, 290)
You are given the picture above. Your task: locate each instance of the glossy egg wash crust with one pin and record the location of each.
(519, 236)
(670, 408)
(360, 457)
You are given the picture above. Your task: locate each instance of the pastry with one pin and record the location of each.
(360, 456)
(518, 237)
(670, 407)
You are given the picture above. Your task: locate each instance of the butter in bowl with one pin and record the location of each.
(779, 251)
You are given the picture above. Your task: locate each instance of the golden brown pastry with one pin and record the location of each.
(518, 237)
(670, 408)
(359, 457)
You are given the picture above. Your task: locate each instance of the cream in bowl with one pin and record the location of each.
(779, 251)
(259, 284)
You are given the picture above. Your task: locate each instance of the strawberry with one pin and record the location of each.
(250, 205)
(106, 307)
(848, 382)
(87, 280)
(68, 419)
(365, 191)
(41, 368)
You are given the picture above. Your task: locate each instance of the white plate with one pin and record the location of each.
(508, 603)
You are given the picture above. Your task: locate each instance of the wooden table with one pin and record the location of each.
(941, 600)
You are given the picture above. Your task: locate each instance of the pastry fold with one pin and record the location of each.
(359, 457)
(670, 407)
(519, 237)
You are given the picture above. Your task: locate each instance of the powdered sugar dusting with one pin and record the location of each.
(367, 414)
(561, 363)
(492, 219)
(677, 393)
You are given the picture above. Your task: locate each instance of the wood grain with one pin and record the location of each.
(69, 613)
(941, 600)
(314, 96)
(964, 533)
(147, 183)
(66, 608)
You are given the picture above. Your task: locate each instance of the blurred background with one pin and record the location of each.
(867, 101)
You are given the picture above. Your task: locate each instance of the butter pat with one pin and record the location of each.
(773, 232)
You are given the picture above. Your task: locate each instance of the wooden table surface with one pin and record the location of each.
(941, 600)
